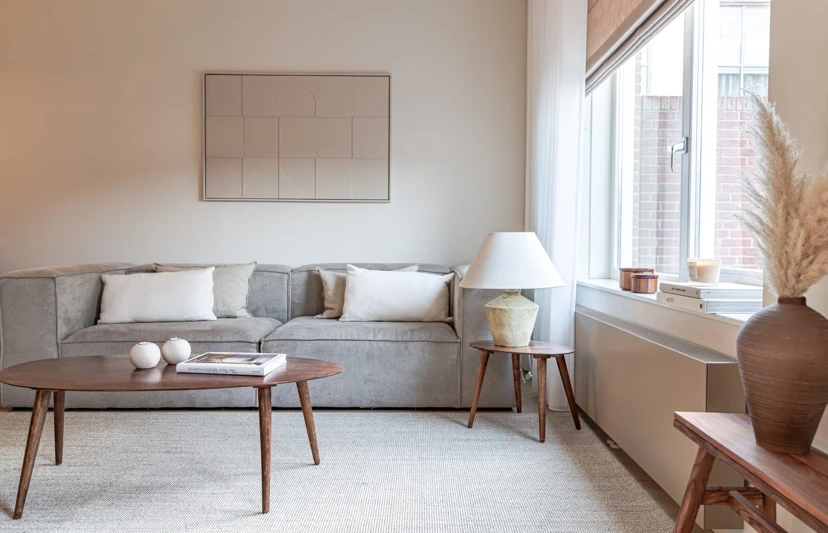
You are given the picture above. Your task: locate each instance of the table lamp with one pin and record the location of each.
(511, 261)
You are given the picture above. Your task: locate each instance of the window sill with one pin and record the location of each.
(611, 286)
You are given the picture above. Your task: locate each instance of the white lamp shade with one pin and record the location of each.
(513, 260)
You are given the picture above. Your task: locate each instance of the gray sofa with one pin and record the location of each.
(52, 312)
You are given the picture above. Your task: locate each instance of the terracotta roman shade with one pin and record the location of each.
(617, 29)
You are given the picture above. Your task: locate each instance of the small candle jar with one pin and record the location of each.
(645, 283)
(625, 276)
(705, 271)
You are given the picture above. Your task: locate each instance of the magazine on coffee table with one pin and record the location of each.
(233, 363)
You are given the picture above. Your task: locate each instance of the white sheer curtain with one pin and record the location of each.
(555, 99)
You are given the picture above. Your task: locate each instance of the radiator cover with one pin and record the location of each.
(630, 379)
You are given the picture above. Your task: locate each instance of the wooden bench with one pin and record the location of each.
(799, 483)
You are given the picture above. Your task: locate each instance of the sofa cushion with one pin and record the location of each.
(238, 334)
(310, 329)
(388, 364)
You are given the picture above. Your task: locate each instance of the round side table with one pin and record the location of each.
(541, 351)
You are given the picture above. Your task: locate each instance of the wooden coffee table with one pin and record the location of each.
(114, 373)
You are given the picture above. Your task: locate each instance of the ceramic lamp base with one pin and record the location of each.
(511, 319)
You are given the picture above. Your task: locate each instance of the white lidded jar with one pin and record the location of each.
(176, 351)
(144, 355)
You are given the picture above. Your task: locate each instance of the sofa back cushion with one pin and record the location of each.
(306, 294)
(268, 296)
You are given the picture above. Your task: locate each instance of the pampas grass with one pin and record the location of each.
(787, 210)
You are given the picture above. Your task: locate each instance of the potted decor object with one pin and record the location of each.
(144, 355)
(783, 349)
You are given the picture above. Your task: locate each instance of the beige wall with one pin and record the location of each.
(799, 86)
(100, 135)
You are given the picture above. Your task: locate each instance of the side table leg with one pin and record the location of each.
(307, 412)
(59, 404)
(567, 384)
(481, 373)
(516, 377)
(41, 406)
(265, 436)
(541, 398)
(695, 491)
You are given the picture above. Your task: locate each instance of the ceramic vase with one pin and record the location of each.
(783, 361)
(511, 319)
(176, 351)
(144, 355)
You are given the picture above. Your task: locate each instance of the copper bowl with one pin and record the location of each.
(625, 276)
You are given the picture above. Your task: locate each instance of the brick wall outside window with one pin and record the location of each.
(657, 190)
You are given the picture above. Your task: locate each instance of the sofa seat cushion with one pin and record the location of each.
(385, 364)
(315, 329)
(225, 334)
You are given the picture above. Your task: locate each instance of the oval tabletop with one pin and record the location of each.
(533, 348)
(114, 373)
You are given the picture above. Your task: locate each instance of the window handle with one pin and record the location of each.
(679, 148)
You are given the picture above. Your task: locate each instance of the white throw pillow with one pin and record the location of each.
(231, 287)
(382, 296)
(333, 290)
(163, 297)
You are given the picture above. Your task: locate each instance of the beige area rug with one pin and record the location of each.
(381, 471)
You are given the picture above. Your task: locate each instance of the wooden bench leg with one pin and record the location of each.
(695, 492)
(752, 515)
(769, 507)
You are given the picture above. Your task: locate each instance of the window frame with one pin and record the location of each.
(694, 199)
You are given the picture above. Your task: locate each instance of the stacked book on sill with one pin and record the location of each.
(724, 298)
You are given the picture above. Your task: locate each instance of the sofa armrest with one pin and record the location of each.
(40, 307)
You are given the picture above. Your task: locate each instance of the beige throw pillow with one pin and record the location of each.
(333, 290)
(231, 286)
(376, 296)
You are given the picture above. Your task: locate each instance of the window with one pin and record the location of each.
(744, 38)
(672, 123)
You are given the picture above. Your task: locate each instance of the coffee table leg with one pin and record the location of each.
(41, 406)
(307, 412)
(567, 385)
(59, 404)
(265, 431)
(481, 373)
(541, 398)
(516, 378)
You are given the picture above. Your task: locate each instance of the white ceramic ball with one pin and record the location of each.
(176, 351)
(144, 355)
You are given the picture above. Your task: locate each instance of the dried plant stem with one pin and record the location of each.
(787, 209)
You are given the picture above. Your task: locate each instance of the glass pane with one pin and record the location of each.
(651, 102)
(757, 83)
(757, 35)
(729, 84)
(733, 156)
(730, 36)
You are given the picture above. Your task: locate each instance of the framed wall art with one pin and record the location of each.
(291, 137)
